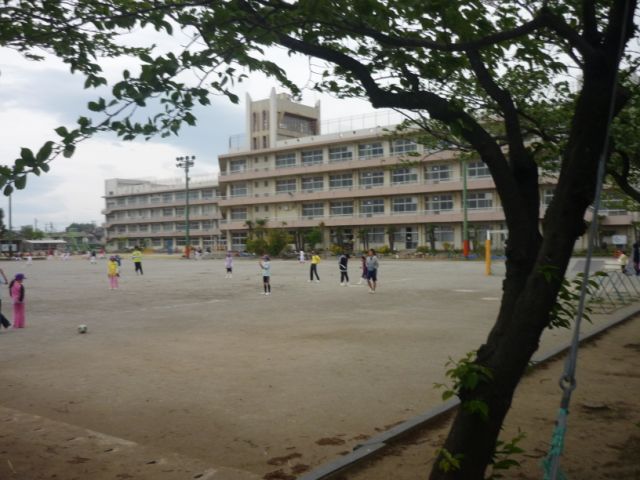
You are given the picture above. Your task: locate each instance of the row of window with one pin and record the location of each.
(167, 197)
(163, 227)
(340, 153)
(366, 178)
(210, 210)
(404, 237)
(376, 206)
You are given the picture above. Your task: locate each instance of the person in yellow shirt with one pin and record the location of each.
(113, 272)
(315, 260)
(136, 256)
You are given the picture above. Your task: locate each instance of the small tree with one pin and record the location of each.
(277, 240)
(313, 237)
(391, 233)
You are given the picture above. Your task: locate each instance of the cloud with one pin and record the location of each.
(37, 97)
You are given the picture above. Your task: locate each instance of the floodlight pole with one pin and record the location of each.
(186, 162)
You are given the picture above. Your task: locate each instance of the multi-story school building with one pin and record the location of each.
(153, 213)
(360, 187)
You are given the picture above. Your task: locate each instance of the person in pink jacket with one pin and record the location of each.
(16, 289)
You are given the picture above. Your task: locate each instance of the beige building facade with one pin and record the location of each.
(361, 188)
(152, 214)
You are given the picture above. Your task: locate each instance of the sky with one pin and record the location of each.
(37, 97)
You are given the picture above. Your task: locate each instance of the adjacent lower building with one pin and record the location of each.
(152, 214)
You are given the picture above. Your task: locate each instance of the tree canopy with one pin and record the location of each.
(517, 83)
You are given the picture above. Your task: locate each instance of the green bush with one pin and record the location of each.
(384, 250)
(423, 249)
(335, 249)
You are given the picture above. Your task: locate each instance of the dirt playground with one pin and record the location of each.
(185, 374)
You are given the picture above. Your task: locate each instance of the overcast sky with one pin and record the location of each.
(37, 97)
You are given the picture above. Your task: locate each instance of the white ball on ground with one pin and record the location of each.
(82, 329)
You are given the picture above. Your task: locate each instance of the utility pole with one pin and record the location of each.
(186, 162)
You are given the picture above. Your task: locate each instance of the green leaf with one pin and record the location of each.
(20, 182)
(44, 152)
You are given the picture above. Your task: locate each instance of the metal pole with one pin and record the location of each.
(186, 212)
(465, 225)
(186, 162)
(10, 219)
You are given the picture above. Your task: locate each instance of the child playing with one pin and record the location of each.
(342, 265)
(3, 320)
(363, 267)
(113, 272)
(16, 290)
(265, 265)
(228, 264)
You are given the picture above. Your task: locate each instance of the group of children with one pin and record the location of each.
(17, 294)
(370, 266)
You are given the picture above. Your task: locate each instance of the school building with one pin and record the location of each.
(359, 185)
(152, 214)
(363, 187)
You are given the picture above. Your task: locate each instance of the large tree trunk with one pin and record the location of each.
(528, 293)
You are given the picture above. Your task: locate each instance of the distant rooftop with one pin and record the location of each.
(365, 121)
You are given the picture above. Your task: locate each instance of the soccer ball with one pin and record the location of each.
(82, 329)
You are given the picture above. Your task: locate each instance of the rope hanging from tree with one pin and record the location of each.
(551, 463)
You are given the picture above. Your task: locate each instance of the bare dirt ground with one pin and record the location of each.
(185, 374)
(603, 435)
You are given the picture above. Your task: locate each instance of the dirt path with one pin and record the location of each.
(603, 435)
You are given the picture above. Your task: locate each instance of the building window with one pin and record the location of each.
(372, 179)
(375, 235)
(167, 227)
(238, 241)
(254, 122)
(339, 209)
(265, 120)
(404, 175)
(311, 157)
(478, 170)
(370, 150)
(239, 190)
(438, 173)
(286, 186)
(236, 166)
(239, 213)
(167, 212)
(440, 203)
(406, 237)
(206, 225)
(342, 180)
(403, 146)
(143, 227)
(285, 160)
(179, 211)
(479, 200)
(372, 206)
(194, 195)
(547, 196)
(443, 233)
(155, 199)
(313, 210)
(312, 184)
(180, 196)
(340, 154)
(404, 205)
(208, 194)
(298, 124)
(121, 201)
(167, 197)
(156, 227)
